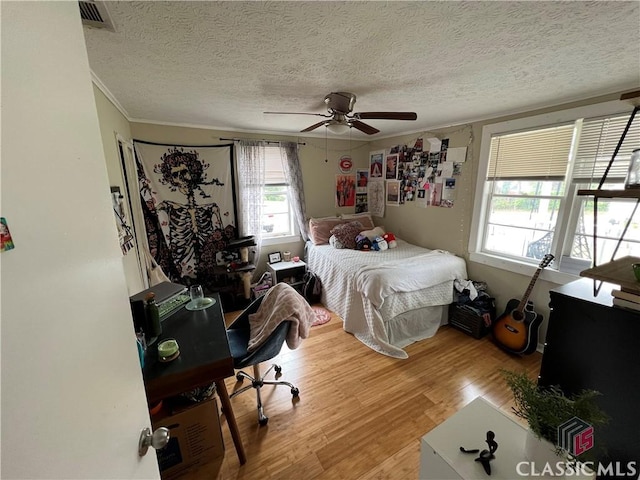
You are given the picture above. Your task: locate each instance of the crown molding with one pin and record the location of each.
(103, 88)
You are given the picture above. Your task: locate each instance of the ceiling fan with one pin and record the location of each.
(340, 117)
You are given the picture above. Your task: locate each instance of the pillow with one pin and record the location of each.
(364, 218)
(346, 233)
(320, 229)
(372, 234)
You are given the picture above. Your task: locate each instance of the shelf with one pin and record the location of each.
(282, 266)
(622, 272)
(629, 193)
(618, 272)
(243, 242)
(245, 268)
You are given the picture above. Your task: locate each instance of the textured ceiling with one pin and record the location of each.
(222, 64)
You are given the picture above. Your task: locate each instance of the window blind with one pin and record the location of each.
(274, 171)
(597, 142)
(533, 155)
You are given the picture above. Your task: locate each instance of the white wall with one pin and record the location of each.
(112, 123)
(70, 374)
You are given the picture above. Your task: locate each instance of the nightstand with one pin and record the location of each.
(289, 272)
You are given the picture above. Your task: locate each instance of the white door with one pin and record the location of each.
(73, 400)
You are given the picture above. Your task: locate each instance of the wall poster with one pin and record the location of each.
(392, 166)
(362, 197)
(345, 190)
(393, 193)
(189, 201)
(125, 233)
(375, 163)
(363, 180)
(376, 197)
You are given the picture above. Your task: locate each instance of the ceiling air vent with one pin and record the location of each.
(95, 14)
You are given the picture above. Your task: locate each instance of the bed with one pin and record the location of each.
(387, 299)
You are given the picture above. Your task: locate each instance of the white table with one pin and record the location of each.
(440, 455)
(441, 458)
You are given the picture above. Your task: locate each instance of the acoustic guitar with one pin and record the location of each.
(516, 330)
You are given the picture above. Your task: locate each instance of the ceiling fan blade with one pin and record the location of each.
(297, 113)
(313, 127)
(363, 127)
(386, 116)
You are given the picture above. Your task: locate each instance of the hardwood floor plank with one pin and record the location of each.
(360, 415)
(397, 466)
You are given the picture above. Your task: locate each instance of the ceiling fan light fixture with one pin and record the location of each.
(341, 117)
(338, 128)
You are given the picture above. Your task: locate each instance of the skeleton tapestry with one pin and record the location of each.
(188, 199)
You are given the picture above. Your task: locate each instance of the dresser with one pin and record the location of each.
(591, 344)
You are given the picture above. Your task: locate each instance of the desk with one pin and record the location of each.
(204, 358)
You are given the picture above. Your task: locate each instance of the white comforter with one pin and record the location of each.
(369, 289)
(376, 282)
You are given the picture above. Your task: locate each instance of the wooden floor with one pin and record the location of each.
(360, 414)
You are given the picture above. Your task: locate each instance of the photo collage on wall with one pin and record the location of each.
(418, 174)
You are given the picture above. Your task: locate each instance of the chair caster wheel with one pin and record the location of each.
(239, 377)
(263, 421)
(278, 369)
(295, 392)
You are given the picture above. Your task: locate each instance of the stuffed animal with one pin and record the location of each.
(379, 244)
(373, 233)
(363, 243)
(391, 239)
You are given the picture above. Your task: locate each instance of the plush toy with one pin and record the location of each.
(363, 243)
(379, 244)
(373, 233)
(391, 239)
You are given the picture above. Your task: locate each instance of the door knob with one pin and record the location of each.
(157, 439)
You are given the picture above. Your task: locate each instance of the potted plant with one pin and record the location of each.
(545, 409)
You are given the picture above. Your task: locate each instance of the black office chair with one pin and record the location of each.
(238, 333)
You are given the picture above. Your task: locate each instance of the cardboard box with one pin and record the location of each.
(196, 438)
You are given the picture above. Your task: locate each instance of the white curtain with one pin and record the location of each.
(293, 174)
(250, 166)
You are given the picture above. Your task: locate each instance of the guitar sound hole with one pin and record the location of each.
(517, 316)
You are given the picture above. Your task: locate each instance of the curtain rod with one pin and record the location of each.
(254, 140)
(135, 140)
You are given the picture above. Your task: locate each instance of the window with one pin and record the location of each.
(277, 217)
(530, 172)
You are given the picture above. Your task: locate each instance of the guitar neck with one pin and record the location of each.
(525, 297)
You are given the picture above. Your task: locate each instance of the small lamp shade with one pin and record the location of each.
(338, 128)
